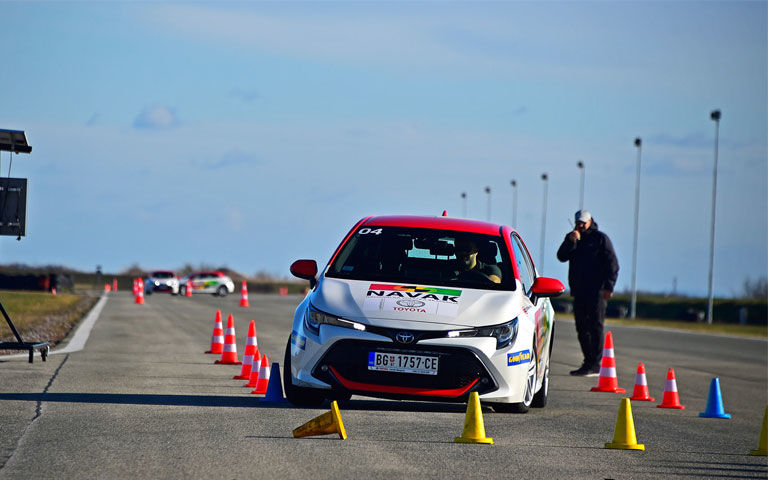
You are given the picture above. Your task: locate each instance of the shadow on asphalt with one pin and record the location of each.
(227, 401)
(144, 399)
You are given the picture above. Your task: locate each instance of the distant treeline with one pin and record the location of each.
(44, 278)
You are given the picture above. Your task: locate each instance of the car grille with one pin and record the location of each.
(460, 372)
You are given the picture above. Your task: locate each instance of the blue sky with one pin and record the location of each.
(252, 134)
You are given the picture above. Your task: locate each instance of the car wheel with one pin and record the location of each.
(222, 291)
(183, 290)
(530, 385)
(540, 399)
(299, 396)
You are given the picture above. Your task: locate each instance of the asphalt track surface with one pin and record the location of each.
(142, 400)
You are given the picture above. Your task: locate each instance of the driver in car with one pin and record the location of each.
(472, 269)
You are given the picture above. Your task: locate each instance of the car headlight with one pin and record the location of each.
(504, 333)
(313, 318)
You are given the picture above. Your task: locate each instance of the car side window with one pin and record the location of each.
(523, 261)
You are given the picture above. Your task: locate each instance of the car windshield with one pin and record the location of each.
(425, 256)
(162, 274)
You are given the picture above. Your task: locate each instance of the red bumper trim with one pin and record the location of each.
(430, 392)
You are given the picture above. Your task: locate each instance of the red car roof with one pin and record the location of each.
(441, 223)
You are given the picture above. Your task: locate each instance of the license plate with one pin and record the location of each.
(398, 362)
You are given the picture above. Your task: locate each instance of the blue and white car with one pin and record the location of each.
(425, 308)
(164, 281)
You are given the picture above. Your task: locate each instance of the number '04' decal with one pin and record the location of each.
(366, 231)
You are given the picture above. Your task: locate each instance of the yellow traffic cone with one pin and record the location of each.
(327, 423)
(474, 428)
(762, 447)
(624, 433)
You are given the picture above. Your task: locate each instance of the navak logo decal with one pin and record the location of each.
(518, 357)
(412, 299)
(414, 291)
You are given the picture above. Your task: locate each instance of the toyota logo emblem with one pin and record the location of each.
(410, 303)
(404, 337)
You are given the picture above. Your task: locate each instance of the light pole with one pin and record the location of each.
(543, 224)
(514, 203)
(715, 116)
(580, 164)
(463, 204)
(488, 191)
(633, 303)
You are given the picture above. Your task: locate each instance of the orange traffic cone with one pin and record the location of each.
(229, 355)
(188, 290)
(140, 292)
(671, 399)
(217, 339)
(641, 385)
(608, 381)
(250, 349)
(244, 296)
(263, 383)
(114, 284)
(253, 380)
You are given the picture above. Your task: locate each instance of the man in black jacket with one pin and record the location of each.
(592, 273)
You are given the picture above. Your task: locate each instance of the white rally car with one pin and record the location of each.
(429, 308)
(217, 283)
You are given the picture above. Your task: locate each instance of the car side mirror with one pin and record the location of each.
(305, 269)
(546, 287)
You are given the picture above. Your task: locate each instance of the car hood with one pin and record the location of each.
(415, 306)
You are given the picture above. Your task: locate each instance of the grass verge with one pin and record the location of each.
(40, 316)
(721, 328)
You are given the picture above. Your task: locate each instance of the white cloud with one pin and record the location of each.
(156, 117)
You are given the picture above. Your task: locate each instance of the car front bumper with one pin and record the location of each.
(337, 359)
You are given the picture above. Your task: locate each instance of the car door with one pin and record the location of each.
(205, 283)
(536, 311)
(198, 284)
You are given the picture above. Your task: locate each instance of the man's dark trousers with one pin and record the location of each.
(589, 313)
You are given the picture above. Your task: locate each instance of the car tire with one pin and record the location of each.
(299, 396)
(183, 290)
(528, 396)
(540, 399)
(222, 291)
